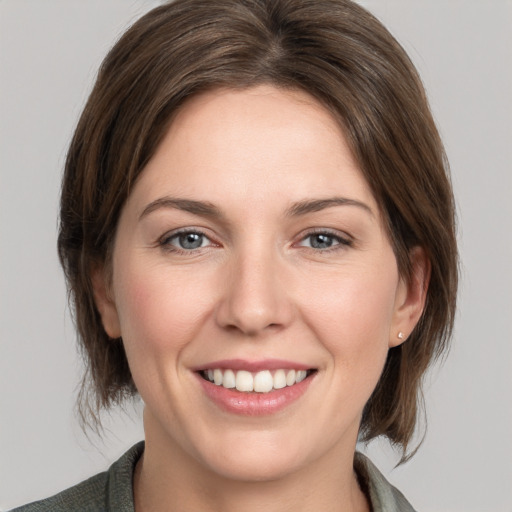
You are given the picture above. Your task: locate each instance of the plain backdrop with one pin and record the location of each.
(49, 54)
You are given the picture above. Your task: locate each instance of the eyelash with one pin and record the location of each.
(342, 242)
(165, 241)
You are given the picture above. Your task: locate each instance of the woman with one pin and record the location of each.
(257, 231)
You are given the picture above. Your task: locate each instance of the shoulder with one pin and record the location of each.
(88, 495)
(110, 490)
(383, 496)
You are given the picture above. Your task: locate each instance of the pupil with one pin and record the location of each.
(191, 240)
(321, 241)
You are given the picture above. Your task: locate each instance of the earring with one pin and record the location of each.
(400, 335)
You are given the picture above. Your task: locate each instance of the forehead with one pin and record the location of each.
(249, 143)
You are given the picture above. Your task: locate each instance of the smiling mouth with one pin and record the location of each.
(263, 381)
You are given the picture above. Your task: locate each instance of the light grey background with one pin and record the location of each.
(49, 53)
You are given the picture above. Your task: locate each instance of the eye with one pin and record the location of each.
(186, 241)
(323, 241)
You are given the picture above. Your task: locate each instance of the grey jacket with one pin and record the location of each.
(112, 490)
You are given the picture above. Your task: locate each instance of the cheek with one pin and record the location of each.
(159, 309)
(351, 313)
(361, 303)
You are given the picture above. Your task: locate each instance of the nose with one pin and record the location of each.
(254, 296)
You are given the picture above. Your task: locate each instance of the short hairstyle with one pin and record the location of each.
(338, 53)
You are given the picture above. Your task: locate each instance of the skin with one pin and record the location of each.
(259, 287)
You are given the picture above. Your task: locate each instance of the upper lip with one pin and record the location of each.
(252, 366)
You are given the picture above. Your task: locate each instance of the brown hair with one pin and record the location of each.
(332, 49)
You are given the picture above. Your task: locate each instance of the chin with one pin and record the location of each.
(254, 467)
(253, 456)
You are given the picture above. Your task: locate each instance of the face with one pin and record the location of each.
(251, 254)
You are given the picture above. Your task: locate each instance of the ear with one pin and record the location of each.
(105, 303)
(410, 297)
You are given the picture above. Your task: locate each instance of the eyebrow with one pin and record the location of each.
(316, 205)
(207, 209)
(203, 208)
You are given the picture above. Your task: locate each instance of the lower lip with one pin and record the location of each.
(254, 404)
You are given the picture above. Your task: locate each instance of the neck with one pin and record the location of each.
(168, 479)
(174, 490)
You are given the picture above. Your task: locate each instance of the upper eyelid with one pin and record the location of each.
(179, 231)
(170, 235)
(344, 240)
(342, 235)
(164, 242)
(186, 232)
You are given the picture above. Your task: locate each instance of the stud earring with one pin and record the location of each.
(400, 335)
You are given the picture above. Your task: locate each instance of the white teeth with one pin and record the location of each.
(279, 379)
(263, 382)
(228, 381)
(260, 382)
(244, 381)
(290, 378)
(217, 377)
(301, 375)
